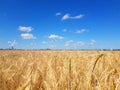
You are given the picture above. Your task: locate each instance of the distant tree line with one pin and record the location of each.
(64, 49)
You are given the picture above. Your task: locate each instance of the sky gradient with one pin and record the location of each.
(60, 24)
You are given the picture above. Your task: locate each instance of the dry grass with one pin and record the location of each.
(59, 70)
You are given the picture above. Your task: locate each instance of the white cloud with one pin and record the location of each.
(81, 31)
(67, 16)
(25, 29)
(77, 17)
(53, 36)
(44, 42)
(71, 44)
(80, 43)
(68, 43)
(92, 42)
(58, 14)
(28, 36)
(64, 30)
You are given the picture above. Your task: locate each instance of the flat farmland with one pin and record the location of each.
(59, 70)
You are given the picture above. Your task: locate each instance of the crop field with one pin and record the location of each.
(59, 70)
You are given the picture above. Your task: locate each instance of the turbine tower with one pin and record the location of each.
(12, 44)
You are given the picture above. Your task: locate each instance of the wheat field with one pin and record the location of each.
(59, 70)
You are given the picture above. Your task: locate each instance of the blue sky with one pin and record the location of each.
(60, 24)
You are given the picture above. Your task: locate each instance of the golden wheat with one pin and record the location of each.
(59, 70)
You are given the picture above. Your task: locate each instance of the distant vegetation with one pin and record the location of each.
(64, 49)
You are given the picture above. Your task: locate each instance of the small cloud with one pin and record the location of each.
(80, 43)
(53, 36)
(77, 17)
(92, 42)
(67, 16)
(58, 14)
(81, 31)
(64, 30)
(44, 42)
(68, 43)
(28, 36)
(25, 29)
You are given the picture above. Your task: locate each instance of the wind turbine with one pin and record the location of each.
(12, 44)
